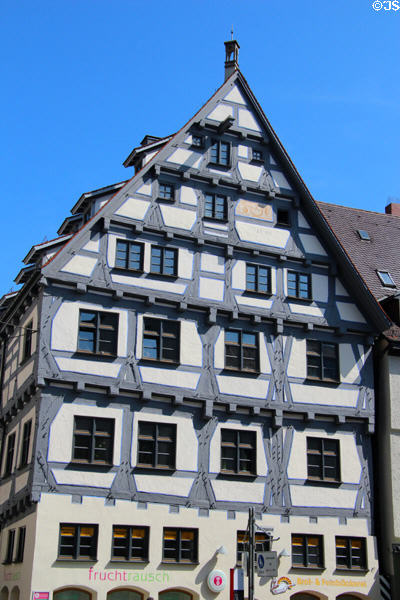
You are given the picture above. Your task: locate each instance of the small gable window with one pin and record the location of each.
(257, 156)
(197, 141)
(386, 278)
(299, 285)
(283, 217)
(166, 191)
(364, 235)
(220, 153)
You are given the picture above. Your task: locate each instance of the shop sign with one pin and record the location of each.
(40, 595)
(281, 585)
(267, 564)
(216, 581)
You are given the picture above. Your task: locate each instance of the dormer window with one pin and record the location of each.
(386, 278)
(220, 153)
(197, 141)
(257, 156)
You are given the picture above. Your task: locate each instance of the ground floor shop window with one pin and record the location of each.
(124, 595)
(4, 593)
(175, 595)
(15, 594)
(72, 594)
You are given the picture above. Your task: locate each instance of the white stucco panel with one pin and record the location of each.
(133, 208)
(191, 345)
(21, 481)
(211, 289)
(349, 372)
(242, 386)
(149, 156)
(181, 156)
(145, 189)
(243, 151)
(265, 365)
(172, 486)
(235, 96)
(185, 263)
(350, 466)
(249, 172)
(395, 453)
(306, 309)
(340, 289)
(259, 234)
(280, 180)
(349, 312)
(240, 491)
(150, 284)
(314, 394)
(323, 497)
(311, 244)
(179, 218)
(62, 429)
(185, 438)
(221, 112)
(173, 378)
(88, 367)
(319, 284)
(297, 362)
(215, 225)
(239, 275)
(247, 120)
(80, 265)
(188, 195)
(219, 351)
(99, 480)
(65, 325)
(93, 245)
(253, 302)
(302, 221)
(212, 263)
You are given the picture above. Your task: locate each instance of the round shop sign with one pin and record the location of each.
(216, 581)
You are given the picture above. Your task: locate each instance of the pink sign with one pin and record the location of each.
(40, 595)
(217, 580)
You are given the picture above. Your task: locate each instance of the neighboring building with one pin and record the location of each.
(372, 240)
(196, 342)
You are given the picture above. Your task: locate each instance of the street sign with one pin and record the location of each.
(267, 564)
(216, 580)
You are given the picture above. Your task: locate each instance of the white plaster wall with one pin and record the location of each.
(297, 366)
(221, 112)
(279, 179)
(349, 312)
(253, 302)
(185, 157)
(241, 491)
(86, 478)
(395, 453)
(179, 218)
(242, 386)
(394, 386)
(329, 396)
(350, 466)
(88, 367)
(149, 156)
(322, 497)
(93, 245)
(5, 490)
(214, 225)
(133, 208)
(169, 377)
(311, 244)
(259, 234)
(212, 289)
(340, 289)
(249, 172)
(62, 428)
(174, 486)
(212, 263)
(150, 284)
(19, 574)
(302, 221)
(215, 449)
(191, 345)
(185, 263)
(21, 481)
(188, 195)
(306, 309)
(243, 151)
(80, 265)
(145, 189)
(65, 325)
(235, 96)
(349, 371)
(247, 120)
(186, 440)
(219, 351)
(319, 285)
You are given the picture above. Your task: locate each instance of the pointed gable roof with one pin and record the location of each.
(215, 115)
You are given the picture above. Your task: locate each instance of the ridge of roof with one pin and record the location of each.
(362, 210)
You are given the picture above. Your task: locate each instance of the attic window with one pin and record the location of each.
(386, 278)
(283, 217)
(364, 235)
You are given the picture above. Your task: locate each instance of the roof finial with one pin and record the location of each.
(231, 56)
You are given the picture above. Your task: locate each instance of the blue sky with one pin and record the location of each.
(85, 80)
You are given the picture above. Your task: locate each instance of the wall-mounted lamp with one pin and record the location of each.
(221, 550)
(284, 553)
